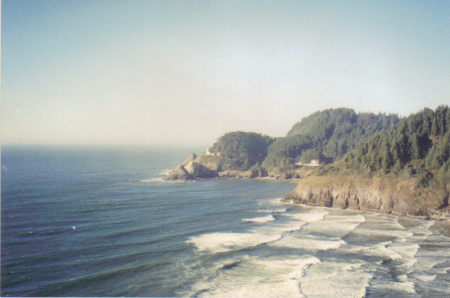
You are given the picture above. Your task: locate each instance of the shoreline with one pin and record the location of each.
(378, 194)
(438, 218)
(442, 224)
(259, 178)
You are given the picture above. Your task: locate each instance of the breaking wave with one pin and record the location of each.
(321, 253)
(263, 219)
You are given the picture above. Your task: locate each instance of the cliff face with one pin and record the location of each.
(211, 166)
(385, 194)
(195, 167)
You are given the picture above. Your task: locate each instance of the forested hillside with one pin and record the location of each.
(404, 170)
(241, 150)
(418, 146)
(326, 136)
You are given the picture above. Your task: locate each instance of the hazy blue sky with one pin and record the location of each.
(185, 72)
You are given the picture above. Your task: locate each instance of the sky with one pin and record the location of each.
(186, 72)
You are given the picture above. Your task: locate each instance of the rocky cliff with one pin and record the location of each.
(209, 166)
(195, 167)
(380, 194)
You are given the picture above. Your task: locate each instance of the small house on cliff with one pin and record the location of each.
(211, 153)
(312, 163)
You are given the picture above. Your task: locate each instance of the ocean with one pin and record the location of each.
(80, 221)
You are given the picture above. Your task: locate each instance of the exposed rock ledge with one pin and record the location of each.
(193, 168)
(210, 166)
(379, 194)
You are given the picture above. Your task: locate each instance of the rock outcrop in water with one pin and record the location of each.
(209, 166)
(193, 168)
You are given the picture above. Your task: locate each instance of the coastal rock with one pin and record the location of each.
(211, 166)
(236, 174)
(179, 173)
(255, 171)
(201, 171)
(288, 174)
(380, 194)
(189, 159)
(193, 168)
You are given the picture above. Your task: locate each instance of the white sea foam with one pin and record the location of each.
(308, 243)
(442, 270)
(429, 263)
(425, 277)
(165, 172)
(263, 219)
(382, 250)
(272, 202)
(402, 286)
(383, 222)
(404, 247)
(434, 262)
(407, 251)
(161, 179)
(221, 242)
(335, 225)
(432, 258)
(402, 252)
(162, 174)
(309, 217)
(275, 278)
(332, 279)
(378, 232)
(279, 210)
(150, 180)
(314, 229)
(291, 226)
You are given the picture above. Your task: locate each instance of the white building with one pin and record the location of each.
(211, 153)
(314, 162)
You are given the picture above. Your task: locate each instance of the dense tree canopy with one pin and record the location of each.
(418, 146)
(284, 152)
(327, 136)
(241, 150)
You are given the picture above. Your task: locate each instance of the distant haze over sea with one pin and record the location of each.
(184, 73)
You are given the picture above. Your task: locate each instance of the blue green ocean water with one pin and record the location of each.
(99, 221)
